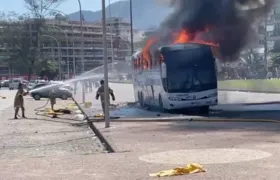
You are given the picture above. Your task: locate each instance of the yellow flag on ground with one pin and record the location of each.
(189, 169)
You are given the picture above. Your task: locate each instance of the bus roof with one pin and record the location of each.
(174, 47)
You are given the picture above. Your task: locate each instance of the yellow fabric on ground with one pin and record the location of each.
(87, 104)
(99, 115)
(189, 169)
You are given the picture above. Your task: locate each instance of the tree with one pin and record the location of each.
(24, 45)
(39, 10)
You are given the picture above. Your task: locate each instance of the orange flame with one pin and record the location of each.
(181, 37)
(185, 37)
(146, 51)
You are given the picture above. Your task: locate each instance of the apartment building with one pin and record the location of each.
(70, 38)
(63, 41)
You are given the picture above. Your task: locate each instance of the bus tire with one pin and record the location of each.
(161, 107)
(204, 110)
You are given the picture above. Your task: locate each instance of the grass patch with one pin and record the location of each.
(258, 85)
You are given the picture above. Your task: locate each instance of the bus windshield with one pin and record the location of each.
(190, 70)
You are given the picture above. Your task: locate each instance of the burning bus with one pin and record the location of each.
(178, 76)
(176, 69)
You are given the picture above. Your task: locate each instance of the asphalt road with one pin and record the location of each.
(231, 104)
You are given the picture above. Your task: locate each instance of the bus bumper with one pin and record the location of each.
(172, 105)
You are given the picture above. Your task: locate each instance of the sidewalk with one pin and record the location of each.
(53, 149)
(231, 151)
(41, 139)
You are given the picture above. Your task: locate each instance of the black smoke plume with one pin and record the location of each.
(231, 21)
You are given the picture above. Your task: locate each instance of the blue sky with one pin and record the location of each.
(68, 6)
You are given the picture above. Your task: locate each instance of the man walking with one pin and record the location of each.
(100, 92)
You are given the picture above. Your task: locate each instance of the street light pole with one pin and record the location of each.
(82, 50)
(131, 27)
(265, 44)
(68, 63)
(105, 55)
(59, 54)
(111, 31)
(67, 49)
(82, 36)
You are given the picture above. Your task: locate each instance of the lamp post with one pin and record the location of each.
(131, 27)
(265, 44)
(59, 54)
(82, 35)
(74, 64)
(111, 31)
(105, 55)
(82, 49)
(67, 49)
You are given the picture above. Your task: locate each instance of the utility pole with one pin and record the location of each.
(59, 54)
(111, 31)
(131, 27)
(82, 36)
(105, 55)
(265, 44)
(67, 49)
(82, 49)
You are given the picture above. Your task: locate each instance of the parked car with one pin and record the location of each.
(5, 83)
(61, 92)
(30, 86)
(13, 84)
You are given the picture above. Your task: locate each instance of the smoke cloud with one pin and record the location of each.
(230, 21)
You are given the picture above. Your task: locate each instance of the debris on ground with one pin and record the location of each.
(3, 97)
(189, 169)
(87, 104)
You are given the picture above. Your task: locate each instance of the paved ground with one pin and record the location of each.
(41, 139)
(229, 151)
(6, 98)
(44, 148)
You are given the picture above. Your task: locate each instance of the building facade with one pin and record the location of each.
(64, 42)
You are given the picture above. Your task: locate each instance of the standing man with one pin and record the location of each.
(19, 102)
(52, 97)
(100, 92)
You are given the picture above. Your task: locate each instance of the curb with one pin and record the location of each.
(99, 135)
(180, 119)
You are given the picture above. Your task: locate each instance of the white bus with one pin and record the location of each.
(177, 76)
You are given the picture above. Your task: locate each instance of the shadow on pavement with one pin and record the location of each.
(55, 120)
(272, 115)
(194, 126)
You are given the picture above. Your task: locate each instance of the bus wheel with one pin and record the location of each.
(204, 110)
(161, 107)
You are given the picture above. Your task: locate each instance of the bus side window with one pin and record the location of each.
(157, 58)
(149, 61)
(141, 63)
(134, 63)
(137, 64)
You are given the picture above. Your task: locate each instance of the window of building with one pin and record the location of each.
(261, 42)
